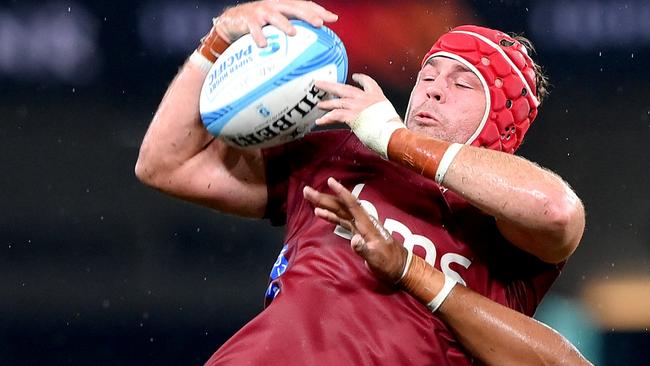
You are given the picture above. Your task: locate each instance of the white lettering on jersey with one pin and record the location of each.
(449, 258)
(410, 240)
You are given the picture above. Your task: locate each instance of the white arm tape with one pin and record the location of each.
(409, 258)
(200, 61)
(442, 295)
(446, 160)
(375, 124)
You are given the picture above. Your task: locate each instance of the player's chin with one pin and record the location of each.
(425, 130)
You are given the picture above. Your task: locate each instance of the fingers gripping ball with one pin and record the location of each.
(261, 97)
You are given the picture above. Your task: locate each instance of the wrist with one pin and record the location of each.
(211, 46)
(428, 156)
(407, 264)
(198, 60)
(441, 296)
(425, 283)
(421, 280)
(375, 125)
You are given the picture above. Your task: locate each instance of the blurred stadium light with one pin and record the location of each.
(172, 27)
(95, 264)
(53, 41)
(590, 24)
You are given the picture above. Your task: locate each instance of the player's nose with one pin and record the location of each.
(436, 91)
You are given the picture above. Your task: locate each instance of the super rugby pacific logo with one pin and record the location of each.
(273, 45)
(228, 63)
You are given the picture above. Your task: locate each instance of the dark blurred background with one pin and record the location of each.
(96, 269)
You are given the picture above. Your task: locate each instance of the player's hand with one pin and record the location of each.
(350, 101)
(384, 256)
(366, 110)
(251, 17)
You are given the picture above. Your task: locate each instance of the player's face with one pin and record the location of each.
(448, 101)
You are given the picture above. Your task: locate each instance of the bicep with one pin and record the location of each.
(223, 178)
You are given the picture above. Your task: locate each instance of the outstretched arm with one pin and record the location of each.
(178, 156)
(534, 208)
(493, 333)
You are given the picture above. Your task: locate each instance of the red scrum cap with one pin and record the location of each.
(508, 77)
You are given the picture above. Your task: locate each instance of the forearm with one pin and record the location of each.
(502, 185)
(493, 333)
(498, 335)
(510, 188)
(535, 209)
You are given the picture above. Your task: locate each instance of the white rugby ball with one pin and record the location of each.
(260, 97)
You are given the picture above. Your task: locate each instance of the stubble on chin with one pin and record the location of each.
(429, 131)
(437, 133)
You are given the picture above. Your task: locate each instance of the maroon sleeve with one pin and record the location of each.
(295, 160)
(277, 170)
(528, 293)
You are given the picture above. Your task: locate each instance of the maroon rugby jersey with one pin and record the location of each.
(326, 308)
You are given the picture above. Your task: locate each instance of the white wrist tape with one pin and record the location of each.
(200, 61)
(442, 295)
(446, 160)
(375, 124)
(409, 258)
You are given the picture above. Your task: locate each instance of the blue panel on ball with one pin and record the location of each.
(315, 57)
(340, 56)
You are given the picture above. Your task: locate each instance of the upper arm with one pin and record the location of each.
(221, 177)
(535, 209)
(179, 157)
(552, 244)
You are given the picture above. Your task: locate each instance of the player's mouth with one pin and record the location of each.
(425, 118)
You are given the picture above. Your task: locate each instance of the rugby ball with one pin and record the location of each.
(261, 97)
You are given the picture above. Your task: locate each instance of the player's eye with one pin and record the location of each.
(463, 84)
